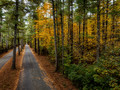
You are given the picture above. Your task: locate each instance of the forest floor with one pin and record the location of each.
(59, 80)
(8, 77)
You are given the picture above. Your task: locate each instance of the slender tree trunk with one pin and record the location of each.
(2, 45)
(106, 24)
(103, 26)
(71, 29)
(79, 36)
(98, 30)
(12, 42)
(7, 43)
(57, 24)
(15, 34)
(62, 33)
(35, 43)
(113, 24)
(86, 32)
(0, 37)
(55, 41)
(18, 44)
(68, 37)
(38, 44)
(84, 20)
(21, 44)
(35, 39)
(0, 25)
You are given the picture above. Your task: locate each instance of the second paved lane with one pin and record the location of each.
(7, 57)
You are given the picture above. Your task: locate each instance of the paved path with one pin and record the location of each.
(31, 77)
(6, 58)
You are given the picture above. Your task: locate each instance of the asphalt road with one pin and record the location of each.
(6, 58)
(31, 77)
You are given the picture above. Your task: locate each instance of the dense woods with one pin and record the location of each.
(81, 37)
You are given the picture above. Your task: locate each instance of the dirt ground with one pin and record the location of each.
(59, 81)
(8, 77)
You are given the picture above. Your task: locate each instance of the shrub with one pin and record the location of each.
(93, 77)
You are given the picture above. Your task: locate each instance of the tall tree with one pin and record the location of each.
(0, 24)
(98, 30)
(15, 34)
(55, 40)
(106, 23)
(62, 30)
(84, 21)
(71, 29)
(103, 24)
(113, 23)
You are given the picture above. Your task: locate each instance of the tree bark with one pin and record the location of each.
(84, 20)
(79, 36)
(68, 37)
(35, 43)
(18, 44)
(103, 26)
(113, 23)
(38, 44)
(0, 25)
(62, 32)
(15, 34)
(57, 24)
(107, 3)
(71, 29)
(98, 30)
(55, 41)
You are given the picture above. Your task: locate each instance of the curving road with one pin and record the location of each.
(6, 58)
(31, 77)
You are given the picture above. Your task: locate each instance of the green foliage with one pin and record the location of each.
(104, 75)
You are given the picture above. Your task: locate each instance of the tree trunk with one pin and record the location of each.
(106, 23)
(113, 24)
(68, 37)
(21, 44)
(7, 43)
(18, 44)
(2, 45)
(15, 34)
(86, 33)
(62, 32)
(55, 41)
(57, 24)
(35, 43)
(84, 20)
(0, 38)
(79, 36)
(103, 26)
(71, 29)
(98, 30)
(38, 44)
(0, 25)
